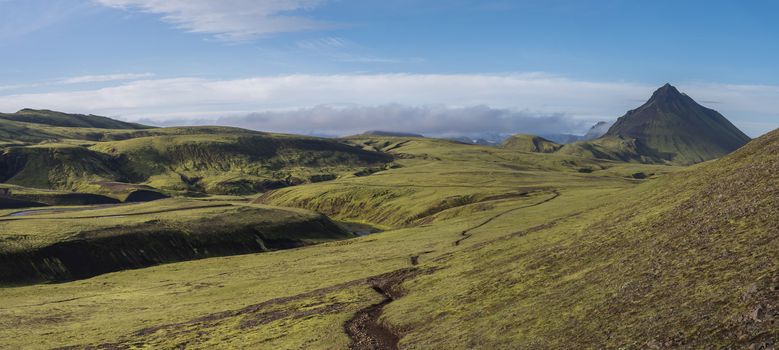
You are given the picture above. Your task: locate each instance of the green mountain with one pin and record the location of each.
(52, 118)
(672, 127)
(530, 143)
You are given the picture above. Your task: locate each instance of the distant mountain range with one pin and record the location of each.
(497, 139)
(391, 133)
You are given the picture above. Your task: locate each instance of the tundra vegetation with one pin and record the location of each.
(610, 243)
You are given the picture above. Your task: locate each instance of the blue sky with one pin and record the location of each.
(447, 67)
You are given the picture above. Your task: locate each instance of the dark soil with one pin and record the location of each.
(13, 203)
(365, 329)
(256, 315)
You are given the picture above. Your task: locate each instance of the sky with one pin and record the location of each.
(437, 67)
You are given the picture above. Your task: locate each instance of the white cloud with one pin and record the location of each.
(327, 43)
(564, 102)
(84, 79)
(344, 50)
(230, 19)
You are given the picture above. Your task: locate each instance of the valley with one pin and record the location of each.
(260, 240)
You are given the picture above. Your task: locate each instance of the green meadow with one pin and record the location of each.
(480, 247)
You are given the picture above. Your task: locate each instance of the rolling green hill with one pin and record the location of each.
(60, 244)
(53, 150)
(614, 148)
(52, 118)
(483, 247)
(530, 143)
(236, 163)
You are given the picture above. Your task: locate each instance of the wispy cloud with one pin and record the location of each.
(344, 50)
(19, 18)
(326, 43)
(407, 100)
(103, 78)
(230, 19)
(84, 79)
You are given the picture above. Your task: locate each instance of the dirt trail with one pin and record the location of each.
(467, 233)
(365, 329)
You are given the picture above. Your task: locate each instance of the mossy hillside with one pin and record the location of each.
(52, 118)
(67, 243)
(316, 289)
(681, 260)
(19, 132)
(230, 284)
(439, 178)
(615, 148)
(214, 159)
(237, 163)
(530, 143)
(58, 166)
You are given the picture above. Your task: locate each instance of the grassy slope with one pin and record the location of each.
(65, 243)
(613, 148)
(438, 175)
(52, 118)
(52, 197)
(301, 298)
(530, 143)
(201, 159)
(237, 163)
(683, 261)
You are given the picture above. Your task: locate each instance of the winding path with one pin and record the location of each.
(366, 330)
(467, 233)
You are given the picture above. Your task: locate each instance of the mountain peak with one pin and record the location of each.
(672, 126)
(667, 91)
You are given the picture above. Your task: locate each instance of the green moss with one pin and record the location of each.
(682, 259)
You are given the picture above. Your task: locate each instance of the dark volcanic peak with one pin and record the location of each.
(673, 127)
(667, 90)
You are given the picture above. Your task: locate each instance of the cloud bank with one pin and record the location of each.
(440, 121)
(229, 19)
(432, 103)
